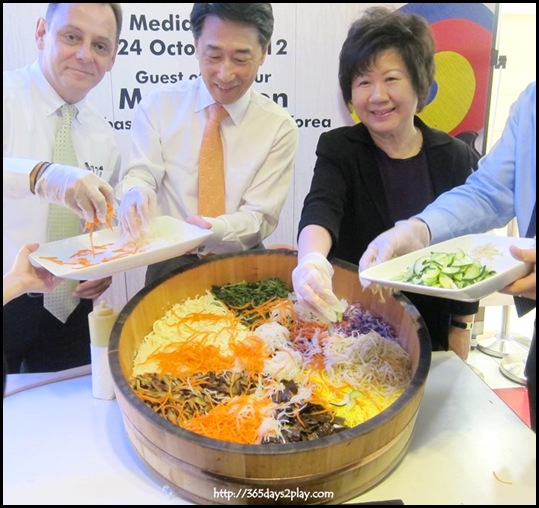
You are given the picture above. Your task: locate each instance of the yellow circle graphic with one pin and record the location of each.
(455, 80)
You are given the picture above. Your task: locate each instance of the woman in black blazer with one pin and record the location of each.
(382, 170)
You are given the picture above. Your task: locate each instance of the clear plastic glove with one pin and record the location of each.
(312, 285)
(77, 189)
(137, 209)
(406, 236)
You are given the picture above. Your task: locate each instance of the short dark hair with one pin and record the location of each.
(116, 9)
(378, 30)
(259, 15)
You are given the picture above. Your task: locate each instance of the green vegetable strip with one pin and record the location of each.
(248, 295)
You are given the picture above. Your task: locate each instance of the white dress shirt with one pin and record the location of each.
(260, 141)
(31, 119)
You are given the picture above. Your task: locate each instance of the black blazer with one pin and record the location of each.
(347, 198)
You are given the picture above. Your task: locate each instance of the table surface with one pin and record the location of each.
(62, 446)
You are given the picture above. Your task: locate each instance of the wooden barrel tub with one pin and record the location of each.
(343, 465)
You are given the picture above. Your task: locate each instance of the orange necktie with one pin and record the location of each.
(211, 171)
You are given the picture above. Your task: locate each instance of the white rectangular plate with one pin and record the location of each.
(168, 237)
(490, 250)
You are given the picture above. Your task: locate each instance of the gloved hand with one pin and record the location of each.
(406, 236)
(77, 189)
(137, 209)
(312, 285)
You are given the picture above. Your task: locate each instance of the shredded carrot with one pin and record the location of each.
(257, 315)
(187, 358)
(84, 258)
(90, 226)
(250, 353)
(236, 421)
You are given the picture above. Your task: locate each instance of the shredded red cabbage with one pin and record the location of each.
(357, 319)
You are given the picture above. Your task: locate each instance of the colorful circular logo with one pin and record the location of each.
(464, 41)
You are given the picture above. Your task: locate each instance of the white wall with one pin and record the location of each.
(516, 40)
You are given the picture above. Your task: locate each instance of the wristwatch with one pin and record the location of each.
(465, 325)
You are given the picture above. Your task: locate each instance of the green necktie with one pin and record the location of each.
(63, 223)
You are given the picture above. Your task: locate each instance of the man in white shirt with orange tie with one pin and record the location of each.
(259, 139)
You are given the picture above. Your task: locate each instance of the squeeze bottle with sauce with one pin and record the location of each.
(101, 320)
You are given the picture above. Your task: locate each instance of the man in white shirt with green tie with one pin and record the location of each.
(77, 45)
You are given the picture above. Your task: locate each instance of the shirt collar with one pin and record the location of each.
(236, 110)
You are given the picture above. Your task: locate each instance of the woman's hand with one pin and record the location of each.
(27, 278)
